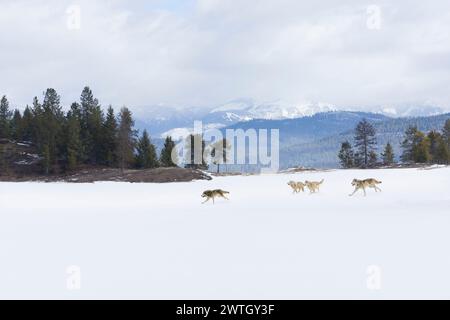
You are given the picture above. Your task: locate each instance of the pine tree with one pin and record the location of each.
(27, 124)
(72, 145)
(146, 153)
(91, 124)
(53, 119)
(408, 144)
(126, 139)
(442, 155)
(388, 155)
(110, 138)
(373, 159)
(5, 118)
(421, 148)
(446, 133)
(434, 139)
(346, 156)
(16, 126)
(166, 158)
(365, 142)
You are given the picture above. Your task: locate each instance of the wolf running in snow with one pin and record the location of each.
(366, 183)
(211, 194)
(297, 186)
(314, 186)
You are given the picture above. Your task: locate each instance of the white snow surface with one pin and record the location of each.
(158, 241)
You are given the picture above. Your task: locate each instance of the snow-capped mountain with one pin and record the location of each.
(162, 120)
(408, 110)
(247, 109)
(166, 120)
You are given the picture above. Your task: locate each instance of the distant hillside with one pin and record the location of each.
(322, 152)
(311, 128)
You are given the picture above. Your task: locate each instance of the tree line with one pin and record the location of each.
(84, 135)
(417, 147)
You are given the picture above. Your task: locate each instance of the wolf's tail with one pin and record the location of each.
(321, 181)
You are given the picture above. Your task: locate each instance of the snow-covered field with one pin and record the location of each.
(159, 241)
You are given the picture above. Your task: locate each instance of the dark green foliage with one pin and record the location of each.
(437, 147)
(73, 147)
(165, 158)
(430, 148)
(82, 136)
(373, 159)
(442, 155)
(365, 142)
(416, 147)
(446, 133)
(27, 125)
(92, 119)
(388, 155)
(50, 130)
(126, 139)
(434, 140)
(16, 130)
(346, 155)
(109, 145)
(408, 144)
(145, 153)
(421, 149)
(5, 118)
(37, 125)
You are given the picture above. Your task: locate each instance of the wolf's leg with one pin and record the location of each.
(365, 194)
(356, 189)
(378, 188)
(207, 199)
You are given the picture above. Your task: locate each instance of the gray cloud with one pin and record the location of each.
(206, 52)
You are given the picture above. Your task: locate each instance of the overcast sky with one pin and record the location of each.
(207, 52)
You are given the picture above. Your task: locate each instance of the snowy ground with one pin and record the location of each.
(158, 241)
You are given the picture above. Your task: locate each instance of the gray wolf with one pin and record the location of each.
(211, 194)
(366, 183)
(313, 186)
(297, 186)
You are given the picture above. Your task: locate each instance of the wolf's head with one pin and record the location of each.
(206, 194)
